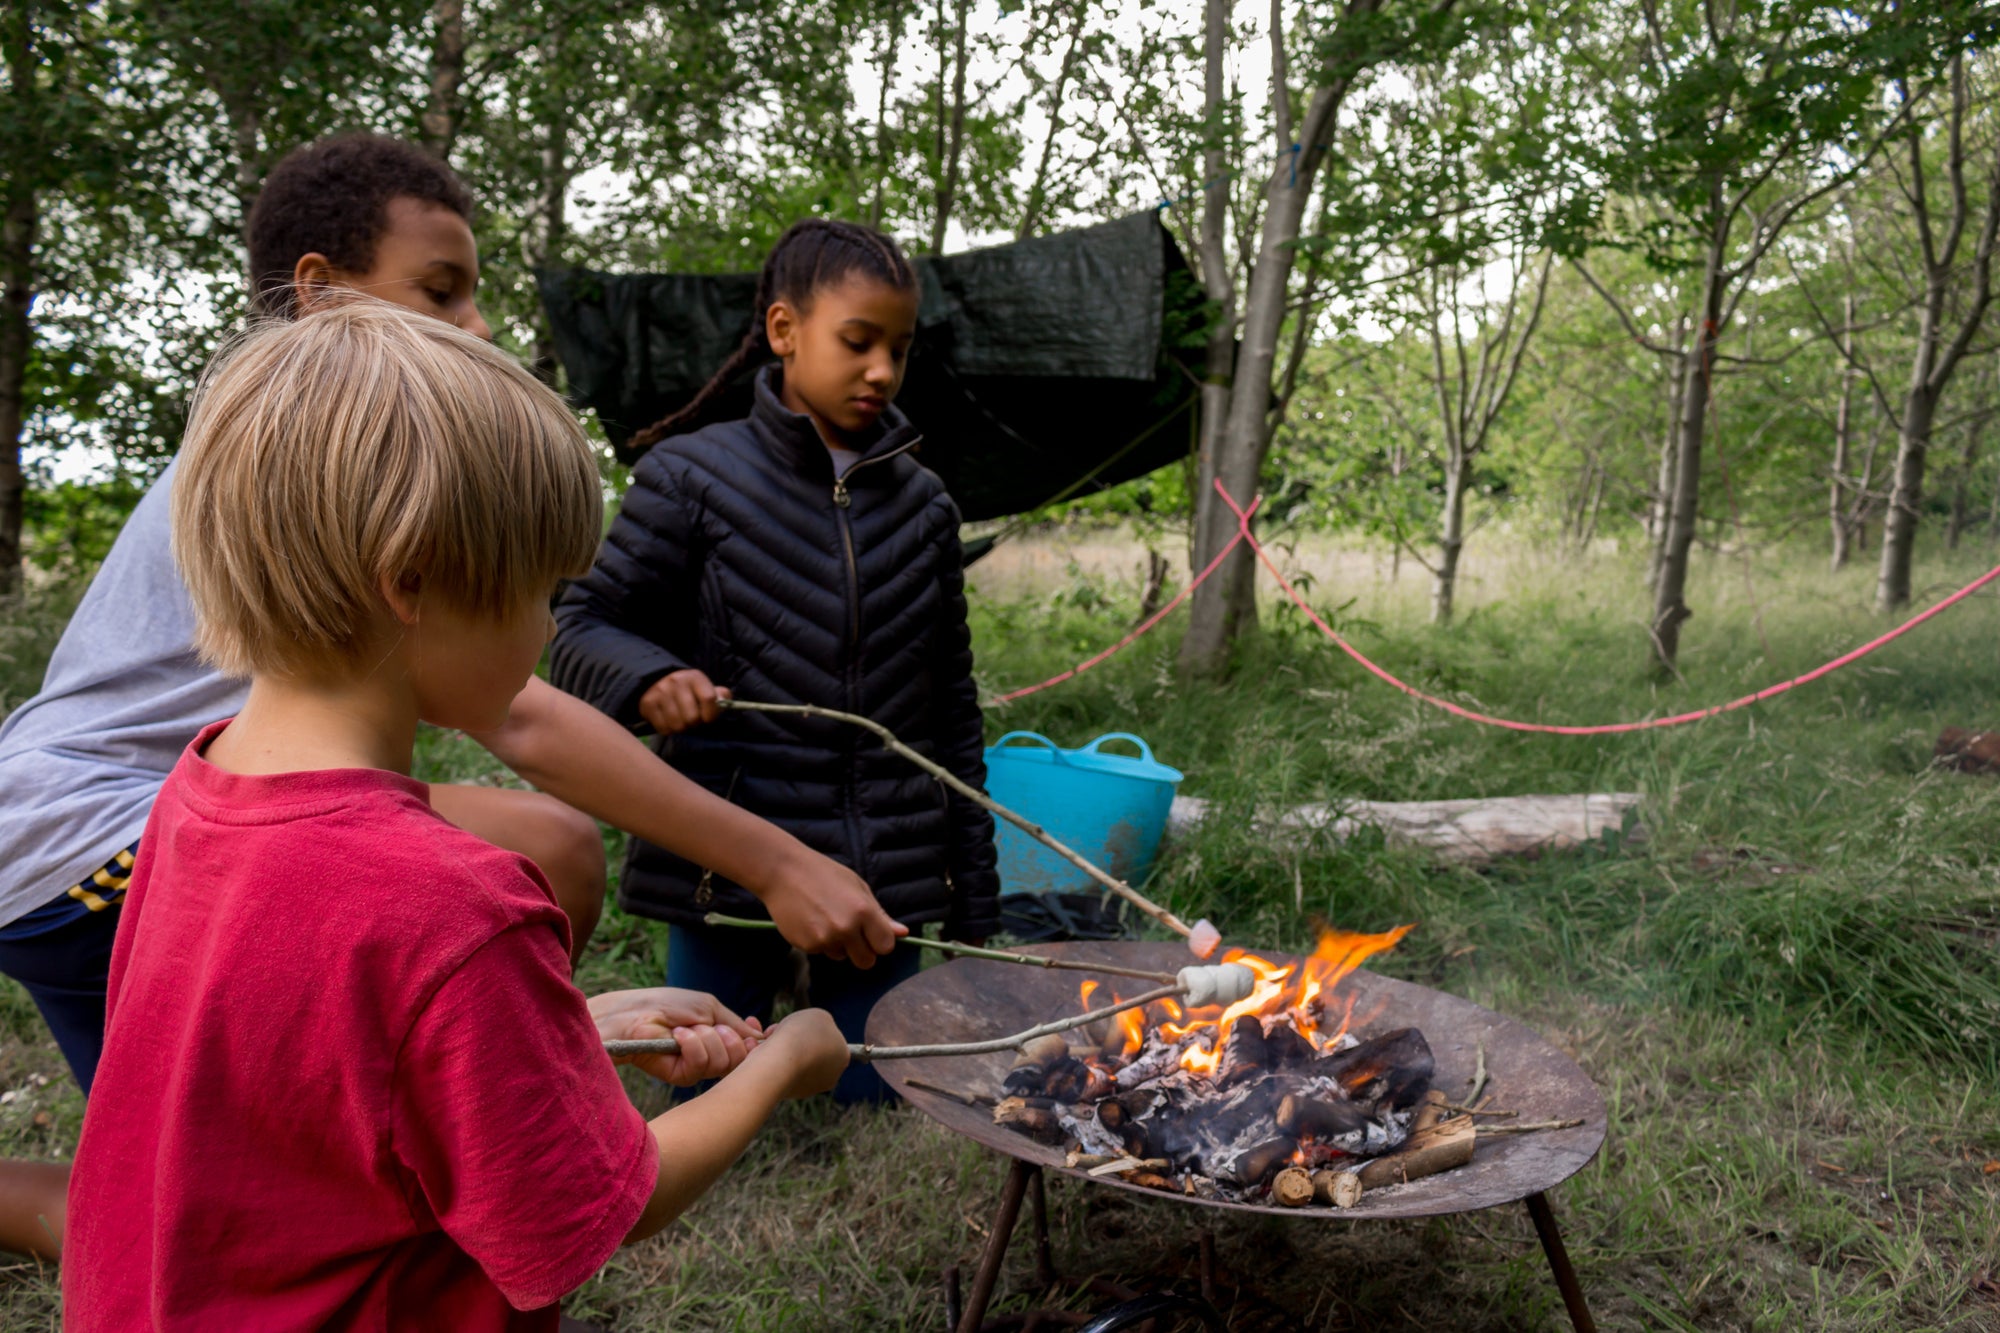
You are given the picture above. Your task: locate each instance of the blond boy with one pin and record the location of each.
(347, 1082)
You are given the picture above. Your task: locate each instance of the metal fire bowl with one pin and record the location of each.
(973, 999)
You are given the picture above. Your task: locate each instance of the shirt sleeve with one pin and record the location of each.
(513, 1121)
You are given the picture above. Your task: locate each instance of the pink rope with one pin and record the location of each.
(1244, 534)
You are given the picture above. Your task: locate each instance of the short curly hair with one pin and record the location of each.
(332, 197)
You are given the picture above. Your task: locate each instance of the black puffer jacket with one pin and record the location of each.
(738, 553)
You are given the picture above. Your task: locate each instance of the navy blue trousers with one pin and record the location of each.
(745, 969)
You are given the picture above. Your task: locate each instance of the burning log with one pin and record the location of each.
(1429, 1111)
(1292, 1187)
(1035, 1065)
(1445, 1145)
(1245, 1054)
(1253, 1166)
(1285, 1045)
(1394, 1068)
(1319, 1118)
(1034, 1116)
(1151, 1180)
(1338, 1189)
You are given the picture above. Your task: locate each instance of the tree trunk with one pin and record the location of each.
(17, 297)
(1031, 216)
(1219, 366)
(1669, 599)
(1962, 482)
(890, 41)
(551, 208)
(1843, 445)
(1660, 517)
(1456, 478)
(439, 122)
(1906, 496)
(953, 144)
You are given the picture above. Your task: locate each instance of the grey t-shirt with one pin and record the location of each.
(81, 762)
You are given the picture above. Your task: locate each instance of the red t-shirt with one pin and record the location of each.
(346, 1081)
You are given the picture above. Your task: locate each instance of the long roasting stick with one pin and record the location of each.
(864, 1051)
(978, 797)
(970, 951)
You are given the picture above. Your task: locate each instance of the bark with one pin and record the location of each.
(1225, 604)
(1031, 216)
(1837, 504)
(1217, 282)
(551, 213)
(952, 143)
(1937, 355)
(1961, 482)
(1660, 516)
(1451, 541)
(1471, 391)
(17, 297)
(246, 128)
(1670, 608)
(438, 125)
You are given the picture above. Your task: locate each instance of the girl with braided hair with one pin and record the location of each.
(799, 555)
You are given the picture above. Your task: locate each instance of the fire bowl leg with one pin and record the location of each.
(1038, 1208)
(996, 1245)
(1552, 1245)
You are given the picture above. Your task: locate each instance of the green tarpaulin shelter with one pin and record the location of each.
(1044, 369)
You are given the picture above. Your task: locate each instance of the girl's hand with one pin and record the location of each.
(679, 700)
(713, 1040)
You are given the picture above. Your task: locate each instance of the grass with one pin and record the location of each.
(1788, 989)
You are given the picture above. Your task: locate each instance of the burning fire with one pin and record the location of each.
(1278, 991)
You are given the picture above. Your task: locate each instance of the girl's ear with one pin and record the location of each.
(403, 594)
(781, 329)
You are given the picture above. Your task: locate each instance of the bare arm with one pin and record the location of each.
(699, 1139)
(581, 757)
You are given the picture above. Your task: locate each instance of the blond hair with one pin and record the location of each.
(361, 443)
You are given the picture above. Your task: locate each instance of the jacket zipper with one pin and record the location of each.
(842, 501)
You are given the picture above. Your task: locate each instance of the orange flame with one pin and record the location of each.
(1305, 992)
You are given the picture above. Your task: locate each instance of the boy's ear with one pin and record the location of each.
(404, 595)
(781, 328)
(311, 276)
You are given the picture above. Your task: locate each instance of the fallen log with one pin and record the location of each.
(1471, 832)
(1292, 1187)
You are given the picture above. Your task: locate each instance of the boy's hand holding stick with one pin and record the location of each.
(708, 1041)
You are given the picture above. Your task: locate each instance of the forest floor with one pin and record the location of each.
(1788, 991)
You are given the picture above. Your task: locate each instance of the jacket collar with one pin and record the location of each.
(793, 436)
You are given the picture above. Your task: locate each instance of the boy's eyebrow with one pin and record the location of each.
(454, 269)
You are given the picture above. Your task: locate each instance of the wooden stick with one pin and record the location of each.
(969, 951)
(977, 797)
(1119, 1166)
(867, 1052)
(1478, 1078)
(1532, 1127)
(1446, 1145)
(864, 1051)
(963, 1098)
(1292, 1187)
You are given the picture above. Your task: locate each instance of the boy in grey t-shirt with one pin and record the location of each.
(124, 695)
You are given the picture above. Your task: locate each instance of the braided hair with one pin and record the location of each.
(812, 254)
